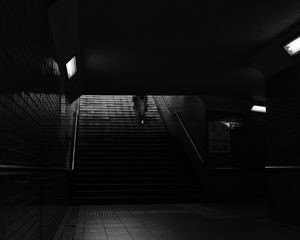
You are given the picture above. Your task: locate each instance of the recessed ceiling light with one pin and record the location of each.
(257, 108)
(71, 67)
(293, 47)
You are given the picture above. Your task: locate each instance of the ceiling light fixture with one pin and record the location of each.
(257, 108)
(71, 67)
(293, 47)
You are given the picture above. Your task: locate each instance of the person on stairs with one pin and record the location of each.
(140, 106)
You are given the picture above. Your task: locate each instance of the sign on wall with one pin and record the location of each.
(219, 137)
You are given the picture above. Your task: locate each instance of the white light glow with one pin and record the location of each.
(71, 67)
(257, 108)
(293, 47)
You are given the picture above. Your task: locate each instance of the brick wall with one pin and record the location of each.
(35, 123)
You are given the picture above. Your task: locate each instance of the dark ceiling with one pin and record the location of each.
(179, 46)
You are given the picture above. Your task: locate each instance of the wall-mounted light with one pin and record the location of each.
(293, 47)
(257, 108)
(232, 123)
(71, 67)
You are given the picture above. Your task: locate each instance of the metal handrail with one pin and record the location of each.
(167, 104)
(20, 168)
(32, 169)
(282, 167)
(185, 129)
(75, 134)
(189, 136)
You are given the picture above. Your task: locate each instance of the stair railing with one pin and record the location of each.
(21, 169)
(173, 112)
(75, 135)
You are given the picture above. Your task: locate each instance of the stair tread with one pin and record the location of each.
(118, 158)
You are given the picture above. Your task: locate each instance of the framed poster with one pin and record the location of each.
(219, 137)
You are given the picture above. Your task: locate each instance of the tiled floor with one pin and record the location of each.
(173, 222)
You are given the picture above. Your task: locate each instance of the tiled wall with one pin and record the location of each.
(30, 91)
(283, 114)
(32, 205)
(247, 140)
(30, 128)
(191, 111)
(35, 123)
(283, 98)
(243, 174)
(240, 173)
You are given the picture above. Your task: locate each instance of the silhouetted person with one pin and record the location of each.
(140, 106)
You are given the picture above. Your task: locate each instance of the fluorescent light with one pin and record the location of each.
(71, 67)
(293, 47)
(257, 108)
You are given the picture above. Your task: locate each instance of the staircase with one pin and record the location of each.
(119, 161)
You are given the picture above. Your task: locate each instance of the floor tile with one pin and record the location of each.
(175, 222)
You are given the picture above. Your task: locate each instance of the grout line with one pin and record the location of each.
(83, 222)
(147, 228)
(104, 227)
(125, 227)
